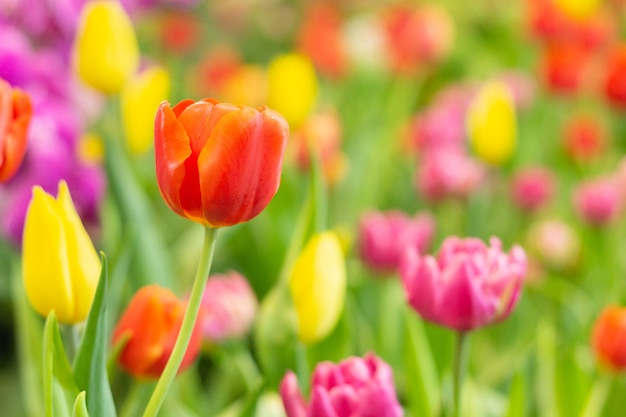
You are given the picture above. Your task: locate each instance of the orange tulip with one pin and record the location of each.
(152, 321)
(15, 114)
(218, 164)
(609, 338)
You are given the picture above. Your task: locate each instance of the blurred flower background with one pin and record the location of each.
(411, 122)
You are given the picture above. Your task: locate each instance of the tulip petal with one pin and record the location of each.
(84, 264)
(171, 150)
(292, 397)
(321, 405)
(45, 259)
(344, 400)
(464, 305)
(240, 165)
(422, 283)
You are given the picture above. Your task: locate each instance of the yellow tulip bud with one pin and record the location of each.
(140, 100)
(318, 286)
(491, 123)
(106, 54)
(292, 87)
(578, 9)
(59, 262)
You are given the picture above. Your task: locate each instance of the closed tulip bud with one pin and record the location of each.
(555, 243)
(318, 286)
(218, 164)
(228, 307)
(292, 87)
(15, 114)
(598, 201)
(140, 99)
(491, 123)
(356, 387)
(383, 236)
(577, 9)
(608, 338)
(60, 264)
(106, 54)
(152, 321)
(468, 285)
(532, 188)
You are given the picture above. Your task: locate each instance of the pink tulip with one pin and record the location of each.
(384, 235)
(597, 201)
(468, 285)
(228, 307)
(356, 387)
(448, 174)
(532, 188)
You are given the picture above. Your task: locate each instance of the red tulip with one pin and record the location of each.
(152, 320)
(615, 81)
(218, 164)
(15, 113)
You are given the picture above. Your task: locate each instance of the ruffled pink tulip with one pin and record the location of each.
(468, 285)
(532, 188)
(356, 387)
(597, 201)
(384, 235)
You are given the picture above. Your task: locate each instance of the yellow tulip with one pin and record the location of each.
(318, 286)
(106, 54)
(59, 262)
(140, 100)
(578, 9)
(292, 87)
(492, 124)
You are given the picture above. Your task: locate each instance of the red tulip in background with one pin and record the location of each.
(615, 78)
(15, 114)
(584, 137)
(609, 338)
(218, 164)
(152, 320)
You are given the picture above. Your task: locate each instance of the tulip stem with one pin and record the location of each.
(460, 363)
(186, 329)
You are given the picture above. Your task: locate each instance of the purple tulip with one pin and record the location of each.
(384, 235)
(468, 285)
(356, 387)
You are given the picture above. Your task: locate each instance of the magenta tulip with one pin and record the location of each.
(468, 285)
(356, 387)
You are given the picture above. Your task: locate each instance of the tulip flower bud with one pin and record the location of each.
(218, 164)
(152, 321)
(318, 286)
(228, 307)
(577, 9)
(598, 201)
(60, 264)
(140, 99)
(383, 236)
(106, 54)
(532, 188)
(468, 284)
(15, 114)
(292, 87)
(356, 387)
(608, 338)
(491, 123)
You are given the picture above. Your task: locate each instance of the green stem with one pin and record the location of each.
(193, 307)
(594, 405)
(460, 363)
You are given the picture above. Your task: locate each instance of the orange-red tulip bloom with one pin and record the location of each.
(218, 164)
(15, 114)
(609, 338)
(152, 321)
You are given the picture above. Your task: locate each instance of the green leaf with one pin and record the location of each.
(91, 359)
(29, 335)
(58, 381)
(546, 366)
(422, 382)
(517, 397)
(80, 406)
